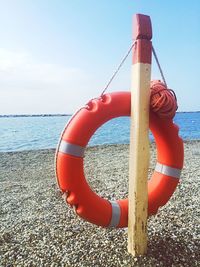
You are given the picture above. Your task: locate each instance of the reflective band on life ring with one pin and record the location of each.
(169, 171)
(70, 155)
(116, 212)
(71, 149)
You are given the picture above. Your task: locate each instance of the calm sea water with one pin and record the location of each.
(26, 133)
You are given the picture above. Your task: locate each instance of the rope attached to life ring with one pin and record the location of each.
(163, 101)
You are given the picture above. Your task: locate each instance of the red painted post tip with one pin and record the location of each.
(142, 35)
(142, 27)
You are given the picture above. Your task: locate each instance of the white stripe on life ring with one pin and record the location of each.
(71, 149)
(169, 171)
(116, 213)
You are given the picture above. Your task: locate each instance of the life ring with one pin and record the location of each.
(70, 153)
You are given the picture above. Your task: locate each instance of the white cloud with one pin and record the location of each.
(28, 86)
(20, 67)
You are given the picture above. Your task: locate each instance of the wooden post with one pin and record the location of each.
(139, 140)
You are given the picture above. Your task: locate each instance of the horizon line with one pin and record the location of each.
(62, 114)
(35, 115)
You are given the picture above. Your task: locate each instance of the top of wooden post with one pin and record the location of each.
(142, 34)
(142, 27)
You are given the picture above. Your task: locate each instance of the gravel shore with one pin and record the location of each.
(38, 229)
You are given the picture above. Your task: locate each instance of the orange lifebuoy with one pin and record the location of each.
(70, 152)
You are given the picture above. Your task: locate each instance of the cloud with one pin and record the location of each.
(30, 86)
(21, 69)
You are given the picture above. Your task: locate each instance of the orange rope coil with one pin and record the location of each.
(162, 100)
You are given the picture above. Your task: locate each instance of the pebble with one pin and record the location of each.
(37, 228)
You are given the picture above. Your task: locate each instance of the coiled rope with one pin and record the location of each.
(163, 100)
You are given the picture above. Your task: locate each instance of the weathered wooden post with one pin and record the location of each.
(139, 140)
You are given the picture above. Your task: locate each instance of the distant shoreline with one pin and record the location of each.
(60, 115)
(34, 115)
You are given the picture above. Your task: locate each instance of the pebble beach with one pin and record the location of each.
(37, 228)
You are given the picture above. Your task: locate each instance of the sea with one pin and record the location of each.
(18, 133)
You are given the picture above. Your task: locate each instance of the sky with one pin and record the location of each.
(57, 55)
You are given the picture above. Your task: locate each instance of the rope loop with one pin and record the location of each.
(118, 68)
(163, 101)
